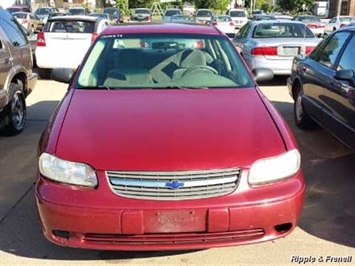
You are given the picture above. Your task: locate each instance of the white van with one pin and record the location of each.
(239, 16)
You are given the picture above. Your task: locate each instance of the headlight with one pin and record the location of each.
(66, 172)
(275, 168)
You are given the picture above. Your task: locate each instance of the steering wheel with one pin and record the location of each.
(198, 68)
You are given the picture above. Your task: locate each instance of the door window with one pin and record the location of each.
(327, 53)
(347, 59)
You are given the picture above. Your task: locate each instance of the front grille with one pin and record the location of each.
(182, 238)
(180, 185)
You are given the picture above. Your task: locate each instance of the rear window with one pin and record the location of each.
(172, 12)
(76, 11)
(238, 13)
(204, 13)
(222, 19)
(142, 11)
(282, 30)
(346, 19)
(309, 19)
(20, 15)
(44, 11)
(73, 26)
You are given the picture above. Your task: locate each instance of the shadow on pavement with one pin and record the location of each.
(328, 166)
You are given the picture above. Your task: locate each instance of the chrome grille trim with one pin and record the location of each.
(192, 184)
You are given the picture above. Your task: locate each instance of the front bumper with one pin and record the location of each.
(75, 218)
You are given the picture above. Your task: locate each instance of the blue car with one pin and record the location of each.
(322, 85)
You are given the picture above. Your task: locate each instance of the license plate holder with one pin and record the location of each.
(174, 221)
(289, 51)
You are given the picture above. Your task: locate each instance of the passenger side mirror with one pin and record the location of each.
(347, 75)
(63, 75)
(263, 74)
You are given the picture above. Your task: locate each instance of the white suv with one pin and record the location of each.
(239, 17)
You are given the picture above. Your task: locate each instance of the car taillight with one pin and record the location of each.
(309, 49)
(321, 26)
(214, 23)
(264, 50)
(41, 41)
(93, 36)
(342, 25)
(231, 23)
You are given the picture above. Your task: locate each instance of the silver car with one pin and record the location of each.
(273, 44)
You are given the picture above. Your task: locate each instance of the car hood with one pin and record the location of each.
(161, 130)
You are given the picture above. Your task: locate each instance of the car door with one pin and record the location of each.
(318, 72)
(241, 37)
(339, 97)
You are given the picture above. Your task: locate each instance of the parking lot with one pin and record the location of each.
(325, 235)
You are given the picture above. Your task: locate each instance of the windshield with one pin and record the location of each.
(282, 30)
(163, 61)
(44, 11)
(111, 11)
(346, 19)
(309, 19)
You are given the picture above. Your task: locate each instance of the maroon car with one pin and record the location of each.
(165, 142)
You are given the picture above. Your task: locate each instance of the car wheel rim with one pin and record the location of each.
(299, 108)
(18, 111)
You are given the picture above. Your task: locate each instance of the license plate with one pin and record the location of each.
(289, 51)
(174, 221)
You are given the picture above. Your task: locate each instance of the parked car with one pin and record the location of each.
(105, 16)
(52, 15)
(313, 22)
(181, 19)
(159, 148)
(203, 16)
(141, 15)
(273, 44)
(14, 9)
(225, 24)
(115, 12)
(280, 16)
(337, 23)
(43, 12)
(65, 40)
(239, 17)
(78, 11)
(323, 86)
(31, 22)
(16, 77)
(169, 13)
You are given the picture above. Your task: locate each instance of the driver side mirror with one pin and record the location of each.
(347, 75)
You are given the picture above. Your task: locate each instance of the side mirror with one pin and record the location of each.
(263, 74)
(347, 75)
(63, 75)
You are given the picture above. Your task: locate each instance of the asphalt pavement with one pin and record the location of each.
(325, 235)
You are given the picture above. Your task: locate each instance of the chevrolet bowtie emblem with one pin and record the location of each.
(174, 184)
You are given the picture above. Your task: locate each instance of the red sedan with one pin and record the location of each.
(165, 142)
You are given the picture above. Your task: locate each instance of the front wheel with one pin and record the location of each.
(15, 112)
(302, 119)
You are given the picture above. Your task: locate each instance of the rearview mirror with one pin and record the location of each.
(63, 75)
(263, 74)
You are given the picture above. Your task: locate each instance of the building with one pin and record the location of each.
(347, 8)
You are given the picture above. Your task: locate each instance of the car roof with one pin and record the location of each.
(254, 22)
(161, 28)
(88, 18)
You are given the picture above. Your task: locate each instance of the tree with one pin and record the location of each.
(204, 3)
(140, 3)
(221, 5)
(295, 5)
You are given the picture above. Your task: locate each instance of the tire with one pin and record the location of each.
(302, 119)
(15, 111)
(44, 73)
